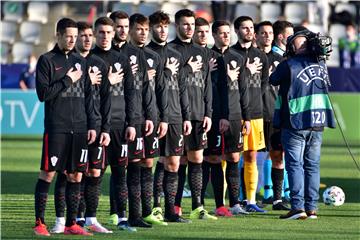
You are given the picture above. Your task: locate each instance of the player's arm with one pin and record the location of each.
(129, 93)
(244, 94)
(89, 101)
(222, 88)
(280, 73)
(105, 100)
(264, 74)
(149, 101)
(184, 97)
(161, 91)
(208, 94)
(47, 88)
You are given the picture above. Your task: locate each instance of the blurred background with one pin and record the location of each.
(28, 30)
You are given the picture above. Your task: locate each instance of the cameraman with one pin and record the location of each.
(302, 110)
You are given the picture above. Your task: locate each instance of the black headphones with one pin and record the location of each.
(290, 48)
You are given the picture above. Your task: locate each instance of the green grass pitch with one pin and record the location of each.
(20, 161)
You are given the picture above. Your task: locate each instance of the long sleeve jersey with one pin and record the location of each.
(122, 93)
(198, 83)
(271, 92)
(158, 85)
(230, 98)
(101, 93)
(144, 98)
(178, 99)
(68, 106)
(256, 82)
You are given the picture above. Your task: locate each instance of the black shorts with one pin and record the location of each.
(197, 139)
(231, 141)
(117, 151)
(172, 144)
(96, 155)
(143, 147)
(272, 137)
(64, 152)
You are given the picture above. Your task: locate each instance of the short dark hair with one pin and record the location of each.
(240, 20)
(104, 21)
(261, 24)
(183, 13)
(119, 15)
(138, 18)
(83, 26)
(218, 23)
(280, 26)
(159, 17)
(64, 23)
(199, 21)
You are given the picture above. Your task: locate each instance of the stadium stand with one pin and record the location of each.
(21, 52)
(270, 11)
(13, 11)
(30, 32)
(247, 9)
(295, 12)
(8, 31)
(38, 12)
(5, 50)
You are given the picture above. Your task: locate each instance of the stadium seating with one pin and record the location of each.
(21, 52)
(5, 50)
(123, 6)
(13, 11)
(295, 12)
(270, 12)
(247, 9)
(334, 60)
(38, 12)
(30, 32)
(148, 8)
(337, 31)
(171, 8)
(8, 31)
(345, 7)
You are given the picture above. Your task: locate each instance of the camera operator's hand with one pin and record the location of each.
(254, 67)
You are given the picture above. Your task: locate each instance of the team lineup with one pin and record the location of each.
(122, 104)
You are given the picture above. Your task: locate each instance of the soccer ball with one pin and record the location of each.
(334, 196)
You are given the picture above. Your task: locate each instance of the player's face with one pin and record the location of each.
(104, 35)
(222, 36)
(121, 29)
(84, 40)
(67, 40)
(300, 44)
(201, 34)
(288, 32)
(186, 27)
(246, 31)
(139, 33)
(265, 36)
(160, 32)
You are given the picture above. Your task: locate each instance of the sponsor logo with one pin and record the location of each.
(138, 152)
(152, 152)
(53, 160)
(58, 68)
(178, 149)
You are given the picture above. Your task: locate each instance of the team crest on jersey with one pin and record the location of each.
(257, 59)
(198, 58)
(77, 66)
(150, 62)
(276, 63)
(172, 59)
(53, 160)
(95, 69)
(233, 63)
(132, 59)
(117, 66)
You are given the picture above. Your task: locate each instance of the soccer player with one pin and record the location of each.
(90, 183)
(231, 119)
(61, 83)
(122, 111)
(139, 30)
(198, 82)
(257, 73)
(171, 146)
(282, 30)
(265, 36)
